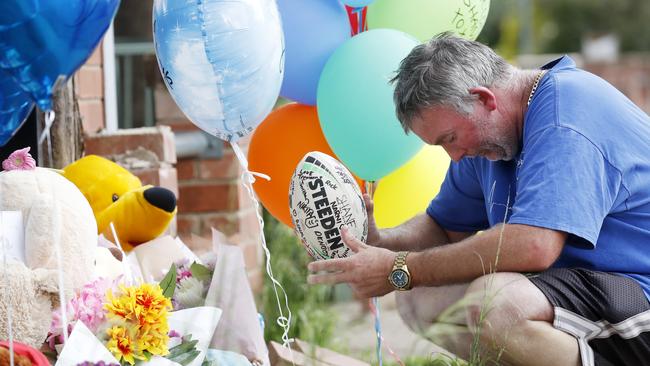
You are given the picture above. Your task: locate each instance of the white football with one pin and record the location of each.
(323, 196)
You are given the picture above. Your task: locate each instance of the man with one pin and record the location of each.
(553, 166)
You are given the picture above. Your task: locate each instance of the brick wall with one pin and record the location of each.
(89, 90)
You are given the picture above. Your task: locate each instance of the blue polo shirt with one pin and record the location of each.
(583, 168)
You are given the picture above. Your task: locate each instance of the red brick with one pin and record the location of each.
(187, 224)
(245, 200)
(256, 281)
(207, 197)
(166, 108)
(165, 177)
(227, 223)
(89, 82)
(227, 167)
(159, 140)
(249, 224)
(185, 169)
(96, 57)
(252, 257)
(177, 125)
(92, 115)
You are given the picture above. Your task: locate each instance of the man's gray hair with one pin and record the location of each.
(441, 72)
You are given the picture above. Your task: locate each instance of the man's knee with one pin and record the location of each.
(499, 301)
(422, 307)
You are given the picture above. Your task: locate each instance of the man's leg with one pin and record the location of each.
(513, 315)
(436, 313)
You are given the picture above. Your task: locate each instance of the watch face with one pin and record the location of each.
(399, 278)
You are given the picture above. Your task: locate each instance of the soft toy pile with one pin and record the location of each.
(53, 210)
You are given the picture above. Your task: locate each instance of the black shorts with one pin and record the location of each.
(609, 314)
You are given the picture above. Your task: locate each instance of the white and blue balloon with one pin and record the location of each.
(222, 61)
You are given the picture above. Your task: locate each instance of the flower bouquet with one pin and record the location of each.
(114, 322)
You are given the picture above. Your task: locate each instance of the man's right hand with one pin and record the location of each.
(374, 237)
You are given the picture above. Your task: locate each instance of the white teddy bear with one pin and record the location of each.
(52, 208)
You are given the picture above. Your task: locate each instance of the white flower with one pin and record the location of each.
(190, 293)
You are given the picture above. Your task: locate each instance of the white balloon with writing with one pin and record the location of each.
(323, 196)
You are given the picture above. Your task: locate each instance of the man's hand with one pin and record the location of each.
(373, 232)
(366, 271)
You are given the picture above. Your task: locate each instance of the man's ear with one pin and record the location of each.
(485, 96)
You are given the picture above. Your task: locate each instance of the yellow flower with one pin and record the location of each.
(122, 343)
(122, 307)
(145, 308)
(154, 343)
(150, 302)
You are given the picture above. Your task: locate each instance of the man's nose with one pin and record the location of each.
(454, 153)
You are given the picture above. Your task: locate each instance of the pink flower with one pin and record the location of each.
(86, 306)
(182, 270)
(172, 333)
(19, 160)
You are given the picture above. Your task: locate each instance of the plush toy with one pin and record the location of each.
(138, 213)
(53, 210)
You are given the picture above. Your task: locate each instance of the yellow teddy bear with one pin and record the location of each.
(138, 213)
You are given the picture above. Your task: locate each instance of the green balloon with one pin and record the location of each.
(355, 103)
(425, 18)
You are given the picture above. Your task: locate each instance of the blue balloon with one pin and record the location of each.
(15, 106)
(222, 61)
(312, 31)
(43, 42)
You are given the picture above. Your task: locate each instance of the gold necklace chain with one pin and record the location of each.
(532, 91)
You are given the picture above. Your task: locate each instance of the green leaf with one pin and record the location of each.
(201, 272)
(168, 283)
(185, 352)
(182, 348)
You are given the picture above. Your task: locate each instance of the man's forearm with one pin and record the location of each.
(419, 233)
(510, 248)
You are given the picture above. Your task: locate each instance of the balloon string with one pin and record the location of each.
(5, 249)
(49, 120)
(57, 247)
(374, 302)
(127, 269)
(248, 178)
(374, 308)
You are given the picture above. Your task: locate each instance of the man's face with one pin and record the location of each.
(466, 135)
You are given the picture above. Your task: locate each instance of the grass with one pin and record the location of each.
(313, 321)
(447, 324)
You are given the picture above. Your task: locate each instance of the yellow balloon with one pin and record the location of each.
(407, 191)
(424, 19)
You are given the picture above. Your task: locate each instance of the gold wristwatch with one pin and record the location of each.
(399, 276)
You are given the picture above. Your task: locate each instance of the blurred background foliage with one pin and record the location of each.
(559, 26)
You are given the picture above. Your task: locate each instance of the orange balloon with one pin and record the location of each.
(275, 149)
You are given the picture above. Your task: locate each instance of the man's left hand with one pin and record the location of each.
(366, 271)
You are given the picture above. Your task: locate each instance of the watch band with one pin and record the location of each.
(400, 259)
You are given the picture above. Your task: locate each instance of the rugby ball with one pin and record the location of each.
(323, 196)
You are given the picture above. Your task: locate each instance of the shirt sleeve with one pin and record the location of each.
(565, 183)
(460, 206)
